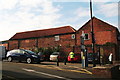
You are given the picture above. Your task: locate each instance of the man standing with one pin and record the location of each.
(110, 58)
(72, 55)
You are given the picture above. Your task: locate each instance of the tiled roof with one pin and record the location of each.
(44, 32)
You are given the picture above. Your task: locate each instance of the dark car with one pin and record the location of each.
(42, 56)
(22, 55)
(90, 57)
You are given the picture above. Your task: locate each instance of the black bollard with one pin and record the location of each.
(65, 61)
(57, 62)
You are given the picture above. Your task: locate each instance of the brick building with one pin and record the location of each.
(106, 38)
(62, 36)
(4, 43)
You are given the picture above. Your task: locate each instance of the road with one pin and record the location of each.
(24, 71)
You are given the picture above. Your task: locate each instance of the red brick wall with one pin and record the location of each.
(46, 42)
(13, 44)
(102, 37)
(65, 41)
(103, 33)
(28, 44)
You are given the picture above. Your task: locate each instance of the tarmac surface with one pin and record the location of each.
(69, 67)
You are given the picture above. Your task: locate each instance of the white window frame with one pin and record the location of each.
(84, 36)
(73, 36)
(57, 38)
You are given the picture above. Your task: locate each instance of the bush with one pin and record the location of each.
(48, 50)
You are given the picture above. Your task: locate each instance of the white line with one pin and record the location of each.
(30, 70)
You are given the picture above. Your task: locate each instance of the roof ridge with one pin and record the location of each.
(45, 29)
(99, 20)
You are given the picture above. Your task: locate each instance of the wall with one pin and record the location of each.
(27, 44)
(66, 43)
(13, 44)
(103, 33)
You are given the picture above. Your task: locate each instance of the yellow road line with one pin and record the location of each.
(55, 67)
(51, 67)
(87, 71)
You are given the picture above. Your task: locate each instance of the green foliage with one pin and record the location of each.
(109, 44)
(48, 50)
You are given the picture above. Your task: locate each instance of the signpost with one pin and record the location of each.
(83, 52)
(92, 34)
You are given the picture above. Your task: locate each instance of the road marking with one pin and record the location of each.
(51, 67)
(55, 68)
(51, 75)
(87, 71)
(29, 70)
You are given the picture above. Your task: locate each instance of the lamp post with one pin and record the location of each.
(92, 35)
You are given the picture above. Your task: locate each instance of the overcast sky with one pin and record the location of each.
(26, 15)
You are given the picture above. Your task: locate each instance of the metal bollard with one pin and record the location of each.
(65, 61)
(57, 62)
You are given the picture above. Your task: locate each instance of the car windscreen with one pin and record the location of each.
(29, 52)
(91, 54)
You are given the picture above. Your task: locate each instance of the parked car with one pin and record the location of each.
(22, 55)
(55, 55)
(77, 58)
(42, 56)
(90, 57)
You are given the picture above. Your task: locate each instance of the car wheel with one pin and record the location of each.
(10, 59)
(29, 60)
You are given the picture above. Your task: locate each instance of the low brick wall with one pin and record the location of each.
(108, 71)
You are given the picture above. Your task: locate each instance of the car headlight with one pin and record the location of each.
(34, 56)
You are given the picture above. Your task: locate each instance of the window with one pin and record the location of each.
(20, 51)
(57, 38)
(86, 36)
(14, 51)
(73, 36)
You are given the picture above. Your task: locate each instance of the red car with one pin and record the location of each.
(77, 58)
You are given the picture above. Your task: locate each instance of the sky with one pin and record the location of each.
(27, 15)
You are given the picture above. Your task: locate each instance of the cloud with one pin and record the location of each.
(82, 12)
(107, 9)
(24, 15)
(7, 4)
(85, 0)
(79, 15)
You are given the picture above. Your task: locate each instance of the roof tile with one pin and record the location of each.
(44, 32)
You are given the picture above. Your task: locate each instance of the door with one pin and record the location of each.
(22, 55)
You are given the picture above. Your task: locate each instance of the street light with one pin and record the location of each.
(92, 34)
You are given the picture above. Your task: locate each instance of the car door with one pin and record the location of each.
(14, 54)
(22, 56)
